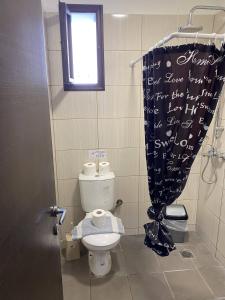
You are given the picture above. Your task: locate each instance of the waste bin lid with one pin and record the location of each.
(176, 212)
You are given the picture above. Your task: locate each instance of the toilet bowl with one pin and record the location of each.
(97, 192)
(99, 246)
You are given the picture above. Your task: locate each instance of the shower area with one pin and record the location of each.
(195, 270)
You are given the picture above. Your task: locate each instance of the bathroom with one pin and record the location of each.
(51, 140)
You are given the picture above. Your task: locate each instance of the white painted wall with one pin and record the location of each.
(138, 6)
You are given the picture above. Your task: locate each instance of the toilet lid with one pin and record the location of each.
(101, 240)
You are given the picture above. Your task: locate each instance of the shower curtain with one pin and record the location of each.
(181, 87)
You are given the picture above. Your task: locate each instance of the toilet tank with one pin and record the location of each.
(97, 191)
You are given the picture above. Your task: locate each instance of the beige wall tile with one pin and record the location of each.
(131, 231)
(208, 223)
(75, 134)
(191, 189)
(68, 105)
(119, 102)
(142, 133)
(156, 27)
(55, 68)
(143, 217)
(143, 189)
(124, 162)
(126, 188)
(73, 216)
(117, 69)
(52, 31)
(118, 133)
(219, 23)
(122, 33)
(143, 166)
(221, 239)
(70, 162)
(196, 165)
(69, 192)
(128, 212)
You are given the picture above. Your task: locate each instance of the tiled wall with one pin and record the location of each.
(111, 119)
(211, 203)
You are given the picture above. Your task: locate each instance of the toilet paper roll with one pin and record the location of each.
(89, 169)
(98, 217)
(104, 168)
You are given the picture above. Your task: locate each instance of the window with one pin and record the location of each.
(81, 28)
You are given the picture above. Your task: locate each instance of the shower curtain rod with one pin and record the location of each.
(181, 35)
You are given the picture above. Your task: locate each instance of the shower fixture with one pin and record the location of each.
(190, 27)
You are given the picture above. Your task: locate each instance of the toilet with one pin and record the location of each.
(97, 192)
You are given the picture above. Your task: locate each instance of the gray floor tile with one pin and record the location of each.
(141, 261)
(118, 263)
(202, 256)
(175, 262)
(75, 277)
(149, 287)
(76, 289)
(215, 278)
(110, 288)
(188, 285)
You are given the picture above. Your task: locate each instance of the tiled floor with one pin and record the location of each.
(139, 274)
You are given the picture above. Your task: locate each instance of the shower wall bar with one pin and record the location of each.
(182, 35)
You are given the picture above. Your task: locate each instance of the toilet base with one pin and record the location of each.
(99, 262)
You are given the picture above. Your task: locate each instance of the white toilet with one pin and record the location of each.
(97, 192)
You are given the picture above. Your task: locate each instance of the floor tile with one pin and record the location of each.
(110, 288)
(149, 287)
(188, 285)
(75, 277)
(175, 262)
(202, 256)
(215, 278)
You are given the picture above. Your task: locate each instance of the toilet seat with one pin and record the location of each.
(98, 242)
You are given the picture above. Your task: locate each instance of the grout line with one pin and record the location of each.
(129, 284)
(170, 288)
(203, 279)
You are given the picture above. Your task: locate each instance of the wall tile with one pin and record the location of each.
(126, 188)
(118, 133)
(221, 238)
(143, 217)
(52, 31)
(69, 192)
(124, 162)
(119, 102)
(122, 33)
(68, 105)
(73, 216)
(75, 134)
(143, 189)
(128, 212)
(117, 69)
(219, 23)
(156, 27)
(55, 68)
(191, 189)
(70, 163)
(208, 223)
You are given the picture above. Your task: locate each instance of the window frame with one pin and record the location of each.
(65, 11)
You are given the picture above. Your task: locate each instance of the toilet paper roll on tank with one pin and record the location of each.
(90, 169)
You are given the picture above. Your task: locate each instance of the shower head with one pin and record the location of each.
(190, 28)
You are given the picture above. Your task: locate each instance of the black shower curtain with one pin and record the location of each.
(181, 86)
